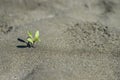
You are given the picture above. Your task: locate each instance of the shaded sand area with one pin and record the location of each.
(80, 40)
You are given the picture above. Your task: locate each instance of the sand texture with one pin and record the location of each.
(80, 40)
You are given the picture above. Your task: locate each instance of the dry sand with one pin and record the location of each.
(80, 40)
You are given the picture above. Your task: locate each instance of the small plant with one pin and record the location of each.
(32, 39)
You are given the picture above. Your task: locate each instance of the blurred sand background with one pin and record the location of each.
(80, 40)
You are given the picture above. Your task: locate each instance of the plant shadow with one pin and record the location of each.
(21, 40)
(22, 46)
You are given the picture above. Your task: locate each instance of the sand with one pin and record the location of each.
(79, 40)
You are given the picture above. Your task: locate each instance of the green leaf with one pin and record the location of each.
(30, 34)
(30, 40)
(36, 38)
(37, 34)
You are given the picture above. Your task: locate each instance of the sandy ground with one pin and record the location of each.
(80, 40)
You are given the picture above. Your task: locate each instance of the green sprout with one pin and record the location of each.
(32, 39)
